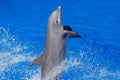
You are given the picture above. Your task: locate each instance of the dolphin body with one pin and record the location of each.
(55, 47)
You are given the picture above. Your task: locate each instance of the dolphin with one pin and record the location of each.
(55, 46)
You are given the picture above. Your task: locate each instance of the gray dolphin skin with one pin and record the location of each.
(55, 46)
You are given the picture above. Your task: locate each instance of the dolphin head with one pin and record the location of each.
(55, 17)
(55, 24)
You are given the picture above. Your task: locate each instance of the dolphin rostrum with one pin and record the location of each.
(55, 46)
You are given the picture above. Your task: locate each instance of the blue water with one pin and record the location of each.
(96, 56)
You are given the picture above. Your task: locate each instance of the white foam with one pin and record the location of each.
(105, 73)
(35, 77)
(12, 51)
(102, 73)
(7, 59)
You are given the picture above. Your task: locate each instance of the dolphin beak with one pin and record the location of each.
(59, 7)
(58, 11)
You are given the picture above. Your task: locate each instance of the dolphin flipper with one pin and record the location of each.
(71, 34)
(38, 60)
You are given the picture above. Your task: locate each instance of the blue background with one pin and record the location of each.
(96, 56)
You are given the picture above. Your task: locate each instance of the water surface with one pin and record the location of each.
(96, 56)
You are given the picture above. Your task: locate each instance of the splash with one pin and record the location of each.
(81, 71)
(64, 66)
(15, 57)
(12, 54)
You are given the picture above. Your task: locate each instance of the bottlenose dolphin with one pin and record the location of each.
(55, 46)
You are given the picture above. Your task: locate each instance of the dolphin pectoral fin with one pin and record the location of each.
(72, 34)
(38, 60)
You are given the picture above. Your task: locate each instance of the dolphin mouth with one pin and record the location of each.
(59, 10)
(58, 14)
